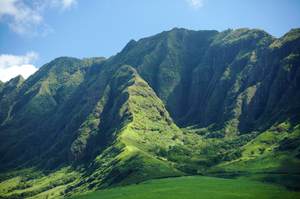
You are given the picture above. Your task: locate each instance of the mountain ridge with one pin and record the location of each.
(115, 121)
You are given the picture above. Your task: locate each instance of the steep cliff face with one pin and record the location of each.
(233, 78)
(166, 62)
(223, 74)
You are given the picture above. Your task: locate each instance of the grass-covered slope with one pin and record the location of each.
(273, 156)
(195, 187)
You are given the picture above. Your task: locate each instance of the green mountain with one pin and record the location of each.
(103, 123)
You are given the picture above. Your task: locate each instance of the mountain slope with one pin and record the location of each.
(109, 122)
(138, 122)
(165, 61)
(113, 124)
(33, 102)
(206, 77)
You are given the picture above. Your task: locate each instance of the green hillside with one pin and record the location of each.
(195, 187)
(179, 103)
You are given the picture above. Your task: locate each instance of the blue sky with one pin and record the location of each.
(34, 32)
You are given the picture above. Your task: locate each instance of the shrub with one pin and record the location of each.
(175, 137)
(262, 150)
(163, 152)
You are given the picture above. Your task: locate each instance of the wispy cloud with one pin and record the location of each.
(62, 4)
(195, 3)
(26, 17)
(68, 3)
(12, 66)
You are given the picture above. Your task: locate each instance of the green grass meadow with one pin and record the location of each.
(195, 187)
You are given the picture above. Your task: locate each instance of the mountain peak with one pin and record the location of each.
(17, 81)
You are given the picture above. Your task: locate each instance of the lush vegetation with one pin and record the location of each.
(195, 187)
(77, 126)
(37, 184)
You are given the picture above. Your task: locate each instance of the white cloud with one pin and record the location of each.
(27, 18)
(12, 66)
(68, 3)
(20, 17)
(195, 3)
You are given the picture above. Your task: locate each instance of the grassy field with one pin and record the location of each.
(49, 186)
(8, 184)
(195, 187)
